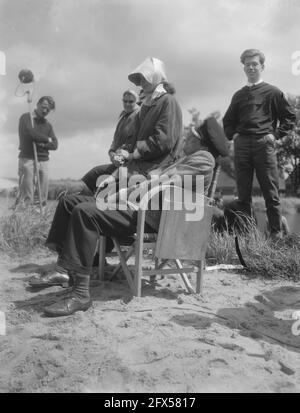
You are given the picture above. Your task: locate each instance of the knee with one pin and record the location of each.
(84, 208)
(67, 202)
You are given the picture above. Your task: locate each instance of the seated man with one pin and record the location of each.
(83, 222)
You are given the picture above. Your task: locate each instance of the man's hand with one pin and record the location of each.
(123, 153)
(118, 160)
(235, 136)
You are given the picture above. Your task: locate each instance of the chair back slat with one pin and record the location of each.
(214, 182)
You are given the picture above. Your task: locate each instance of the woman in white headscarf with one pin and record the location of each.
(160, 120)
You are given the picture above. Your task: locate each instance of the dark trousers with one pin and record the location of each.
(90, 178)
(257, 153)
(76, 227)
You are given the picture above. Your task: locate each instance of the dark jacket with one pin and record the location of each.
(159, 129)
(125, 133)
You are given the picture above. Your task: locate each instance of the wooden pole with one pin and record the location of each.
(36, 166)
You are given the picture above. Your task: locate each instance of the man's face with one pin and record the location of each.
(253, 68)
(128, 103)
(42, 109)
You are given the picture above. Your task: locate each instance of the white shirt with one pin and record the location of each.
(254, 84)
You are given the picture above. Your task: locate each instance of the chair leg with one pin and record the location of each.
(127, 255)
(199, 283)
(184, 277)
(153, 277)
(138, 269)
(102, 250)
(124, 265)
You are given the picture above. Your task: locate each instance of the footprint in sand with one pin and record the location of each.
(217, 363)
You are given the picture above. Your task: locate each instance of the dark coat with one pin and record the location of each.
(159, 129)
(125, 134)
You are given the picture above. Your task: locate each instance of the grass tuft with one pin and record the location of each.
(262, 256)
(24, 230)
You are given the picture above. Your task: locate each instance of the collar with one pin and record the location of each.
(37, 119)
(254, 84)
(158, 91)
(124, 114)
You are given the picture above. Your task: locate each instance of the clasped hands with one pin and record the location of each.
(119, 157)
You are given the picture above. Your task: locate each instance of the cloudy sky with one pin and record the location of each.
(81, 52)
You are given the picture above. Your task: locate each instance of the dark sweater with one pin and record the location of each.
(258, 110)
(39, 134)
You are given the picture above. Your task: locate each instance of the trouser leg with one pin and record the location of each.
(244, 169)
(44, 180)
(26, 177)
(86, 224)
(265, 162)
(58, 231)
(90, 178)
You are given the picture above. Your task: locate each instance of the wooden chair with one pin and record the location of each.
(177, 240)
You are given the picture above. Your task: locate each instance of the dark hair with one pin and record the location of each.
(48, 99)
(252, 53)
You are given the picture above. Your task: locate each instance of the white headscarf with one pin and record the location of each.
(153, 70)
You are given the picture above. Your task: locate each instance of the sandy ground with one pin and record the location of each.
(235, 338)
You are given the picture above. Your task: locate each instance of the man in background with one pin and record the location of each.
(258, 115)
(41, 133)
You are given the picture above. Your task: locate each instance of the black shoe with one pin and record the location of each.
(51, 280)
(68, 306)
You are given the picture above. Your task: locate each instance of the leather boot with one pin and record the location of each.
(78, 300)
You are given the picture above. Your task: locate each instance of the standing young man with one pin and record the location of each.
(42, 134)
(258, 115)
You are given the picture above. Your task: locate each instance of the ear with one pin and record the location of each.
(263, 67)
